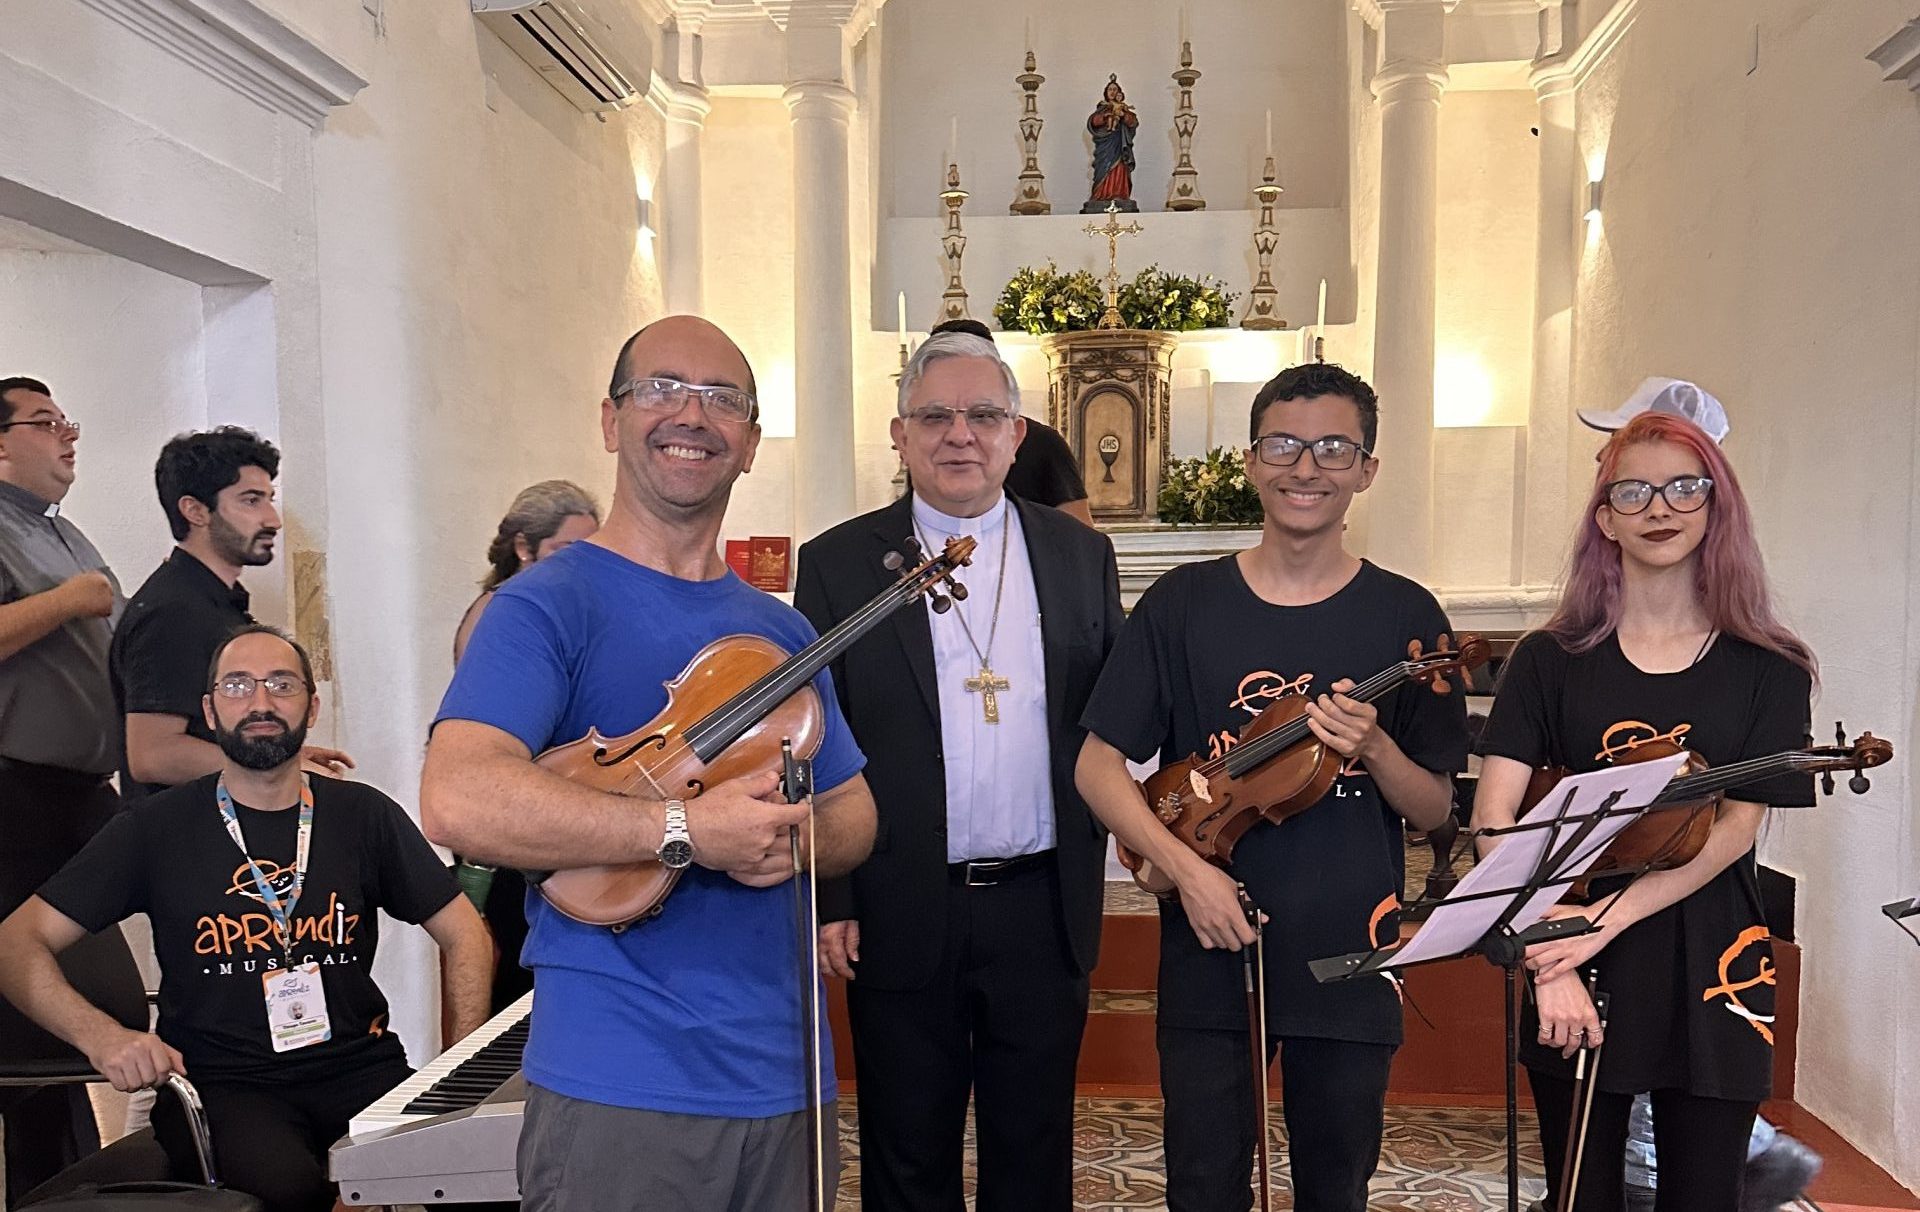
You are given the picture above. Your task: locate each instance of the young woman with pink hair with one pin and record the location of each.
(1665, 630)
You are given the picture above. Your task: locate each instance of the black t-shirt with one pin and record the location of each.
(1201, 655)
(1690, 988)
(1043, 469)
(171, 858)
(164, 643)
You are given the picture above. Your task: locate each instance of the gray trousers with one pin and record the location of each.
(577, 1156)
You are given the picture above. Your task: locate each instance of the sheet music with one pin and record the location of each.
(1457, 925)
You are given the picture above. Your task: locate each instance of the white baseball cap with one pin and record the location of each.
(1676, 396)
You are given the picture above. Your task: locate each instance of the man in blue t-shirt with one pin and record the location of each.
(665, 1058)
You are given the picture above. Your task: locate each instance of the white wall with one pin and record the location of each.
(1758, 236)
(1489, 202)
(120, 344)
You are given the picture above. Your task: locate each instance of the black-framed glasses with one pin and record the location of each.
(242, 685)
(981, 418)
(1331, 453)
(59, 429)
(720, 402)
(1684, 494)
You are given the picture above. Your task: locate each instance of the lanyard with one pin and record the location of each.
(281, 911)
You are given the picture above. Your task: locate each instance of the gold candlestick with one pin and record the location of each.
(1263, 301)
(1183, 192)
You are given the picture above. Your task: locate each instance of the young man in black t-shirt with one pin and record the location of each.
(264, 888)
(1207, 649)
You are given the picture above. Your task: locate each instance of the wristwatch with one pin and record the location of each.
(676, 848)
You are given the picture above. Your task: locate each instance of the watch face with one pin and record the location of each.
(677, 853)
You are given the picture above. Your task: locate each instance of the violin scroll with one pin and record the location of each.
(1434, 668)
(1864, 753)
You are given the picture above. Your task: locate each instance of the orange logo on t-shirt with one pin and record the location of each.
(1731, 987)
(1257, 692)
(1628, 735)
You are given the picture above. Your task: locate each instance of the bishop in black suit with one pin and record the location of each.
(970, 933)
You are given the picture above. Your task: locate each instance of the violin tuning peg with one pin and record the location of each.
(1859, 784)
(958, 590)
(913, 545)
(892, 561)
(1826, 782)
(1840, 733)
(941, 603)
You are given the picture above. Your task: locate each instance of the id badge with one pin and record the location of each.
(296, 1007)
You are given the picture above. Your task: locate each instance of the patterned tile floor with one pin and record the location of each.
(1434, 1159)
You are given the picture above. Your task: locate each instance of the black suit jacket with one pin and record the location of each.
(885, 684)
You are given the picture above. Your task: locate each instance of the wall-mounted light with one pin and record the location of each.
(1593, 201)
(647, 230)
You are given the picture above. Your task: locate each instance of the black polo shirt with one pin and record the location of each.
(164, 643)
(1043, 468)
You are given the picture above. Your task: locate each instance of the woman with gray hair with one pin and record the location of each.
(544, 518)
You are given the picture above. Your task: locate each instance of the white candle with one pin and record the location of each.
(903, 314)
(1320, 323)
(1269, 132)
(1183, 24)
(953, 142)
(1029, 35)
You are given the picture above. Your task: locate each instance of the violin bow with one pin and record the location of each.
(797, 779)
(1586, 1079)
(1253, 967)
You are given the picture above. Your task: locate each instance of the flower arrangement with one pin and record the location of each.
(1046, 300)
(1210, 490)
(1042, 300)
(1174, 302)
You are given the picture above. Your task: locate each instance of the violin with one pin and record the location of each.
(728, 714)
(1673, 831)
(1279, 768)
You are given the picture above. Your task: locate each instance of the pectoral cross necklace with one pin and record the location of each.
(988, 684)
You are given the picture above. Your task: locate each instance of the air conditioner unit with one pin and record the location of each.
(593, 51)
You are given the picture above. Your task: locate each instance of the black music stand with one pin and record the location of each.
(1560, 839)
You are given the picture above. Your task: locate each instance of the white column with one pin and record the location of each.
(1408, 87)
(681, 263)
(1542, 517)
(823, 476)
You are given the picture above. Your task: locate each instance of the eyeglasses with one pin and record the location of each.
(69, 430)
(981, 418)
(242, 685)
(1683, 493)
(670, 395)
(1329, 453)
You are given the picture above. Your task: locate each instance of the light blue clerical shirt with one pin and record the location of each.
(999, 777)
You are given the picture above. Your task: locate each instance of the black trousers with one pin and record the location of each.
(1334, 1095)
(270, 1138)
(1701, 1144)
(46, 815)
(1002, 1017)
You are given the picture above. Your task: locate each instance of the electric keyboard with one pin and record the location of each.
(450, 1132)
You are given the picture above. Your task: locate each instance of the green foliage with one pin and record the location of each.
(1175, 303)
(1044, 300)
(1210, 490)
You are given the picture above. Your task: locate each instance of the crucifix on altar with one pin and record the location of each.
(1113, 231)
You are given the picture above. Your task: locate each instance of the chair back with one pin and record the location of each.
(101, 968)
